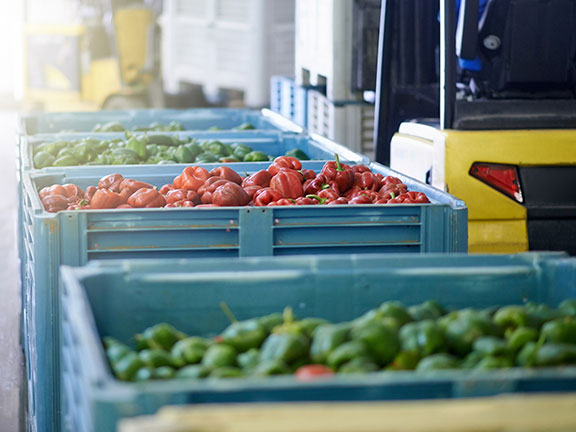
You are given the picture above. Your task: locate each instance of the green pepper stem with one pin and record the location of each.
(228, 312)
(288, 315)
(338, 166)
(317, 198)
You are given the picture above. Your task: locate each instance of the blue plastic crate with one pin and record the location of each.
(120, 299)
(270, 142)
(289, 99)
(192, 119)
(76, 237)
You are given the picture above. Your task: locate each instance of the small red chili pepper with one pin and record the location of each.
(288, 162)
(342, 174)
(230, 194)
(259, 178)
(265, 196)
(288, 183)
(182, 194)
(226, 173)
(191, 178)
(111, 181)
(105, 199)
(147, 198)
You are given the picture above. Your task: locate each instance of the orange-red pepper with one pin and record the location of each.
(111, 181)
(226, 173)
(288, 162)
(288, 183)
(191, 178)
(147, 198)
(105, 199)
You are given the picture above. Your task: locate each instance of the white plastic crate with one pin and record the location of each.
(324, 47)
(228, 44)
(350, 124)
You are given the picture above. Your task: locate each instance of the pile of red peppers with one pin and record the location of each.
(284, 182)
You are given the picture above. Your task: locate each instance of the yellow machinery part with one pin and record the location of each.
(133, 27)
(101, 80)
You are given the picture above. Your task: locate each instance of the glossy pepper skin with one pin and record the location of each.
(230, 194)
(411, 197)
(346, 352)
(342, 174)
(313, 186)
(430, 309)
(111, 181)
(189, 351)
(175, 195)
(465, 328)
(381, 341)
(55, 203)
(438, 361)
(562, 330)
(191, 178)
(105, 199)
(288, 183)
(129, 186)
(265, 196)
(220, 355)
(126, 367)
(226, 173)
(281, 162)
(244, 335)
(259, 178)
(285, 347)
(326, 338)
(147, 198)
(159, 336)
(424, 337)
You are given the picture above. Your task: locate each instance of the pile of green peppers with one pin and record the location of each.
(422, 337)
(146, 149)
(114, 126)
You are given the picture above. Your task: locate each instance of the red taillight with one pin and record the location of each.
(503, 178)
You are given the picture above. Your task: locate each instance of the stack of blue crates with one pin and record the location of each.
(73, 238)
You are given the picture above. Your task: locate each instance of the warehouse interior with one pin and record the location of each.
(288, 215)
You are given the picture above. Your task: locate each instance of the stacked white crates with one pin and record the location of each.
(324, 58)
(228, 44)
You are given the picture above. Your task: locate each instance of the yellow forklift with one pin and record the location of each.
(488, 113)
(107, 60)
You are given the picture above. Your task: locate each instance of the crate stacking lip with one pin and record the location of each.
(274, 143)
(195, 119)
(122, 298)
(76, 237)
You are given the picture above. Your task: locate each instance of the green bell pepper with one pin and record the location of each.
(463, 328)
(249, 360)
(244, 335)
(394, 309)
(139, 145)
(256, 156)
(327, 338)
(405, 360)
(285, 347)
(268, 322)
(159, 336)
(145, 373)
(226, 372)
(111, 126)
(164, 372)
(438, 361)
(219, 355)
(189, 350)
(492, 346)
(193, 372)
(240, 150)
(520, 337)
(424, 337)
(494, 362)
(270, 367)
(43, 159)
(381, 341)
(346, 352)
(155, 358)
(567, 307)
(297, 153)
(67, 160)
(245, 126)
(358, 365)
(127, 366)
(206, 157)
(561, 330)
(309, 325)
(160, 139)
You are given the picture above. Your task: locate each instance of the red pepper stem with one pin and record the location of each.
(228, 312)
(338, 166)
(316, 197)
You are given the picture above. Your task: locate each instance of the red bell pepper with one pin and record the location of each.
(308, 174)
(179, 204)
(360, 199)
(71, 190)
(411, 197)
(226, 173)
(251, 190)
(55, 203)
(207, 189)
(182, 194)
(55, 189)
(342, 174)
(80, 205)
(366, 180)
(89, 192)
(124, 206)
(230, 194)
(166, 188)
(147, 198)
(265, 196)
(361, 168)
(105, 199)
(288, 162)
(313, 186)
(307, 200)
(129, 186)
(191, 178)
(288, 183)
(111, 181)
(259, 178)
(328, 194)
(338, 201)
(282, 202)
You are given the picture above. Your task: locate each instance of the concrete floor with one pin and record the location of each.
(11, 363)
